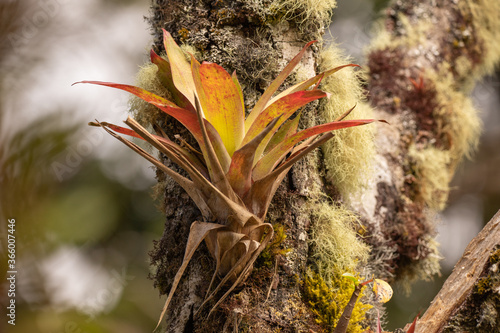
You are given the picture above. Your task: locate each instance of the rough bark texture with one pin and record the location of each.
(426, 134)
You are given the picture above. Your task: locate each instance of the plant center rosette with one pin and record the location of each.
(241, 161)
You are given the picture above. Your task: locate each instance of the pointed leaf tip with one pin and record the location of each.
(351, 277)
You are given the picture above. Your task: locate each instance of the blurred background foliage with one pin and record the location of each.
(85, 218)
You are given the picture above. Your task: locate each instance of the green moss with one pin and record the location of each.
(495, 257)
(274, 248)
(335, 245)
(190, 49)
(349, 154)
(483, 286)
(328, 303)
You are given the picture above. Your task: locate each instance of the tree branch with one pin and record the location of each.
(459, 286)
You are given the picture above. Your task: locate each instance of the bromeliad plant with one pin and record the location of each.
(242, 161)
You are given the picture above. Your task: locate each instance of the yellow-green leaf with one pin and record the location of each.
(180, 67)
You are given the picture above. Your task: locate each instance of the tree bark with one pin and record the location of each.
(418, 76)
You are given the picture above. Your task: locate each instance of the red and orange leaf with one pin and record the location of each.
(273, 87)
(221, 102)
(180, 68)
(269, 161)
(309, 82)
(186, 117)
(283, 108)
(217, 173)
(240, 170)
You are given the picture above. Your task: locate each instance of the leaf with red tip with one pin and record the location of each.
(166, 142)
(180, 68)
(309, 82)
(221, 102)
(185, 117)
(283, 108)
(413, 326)
(269, 92)
(267, 163)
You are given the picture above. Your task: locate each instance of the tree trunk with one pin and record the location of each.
(417, 80)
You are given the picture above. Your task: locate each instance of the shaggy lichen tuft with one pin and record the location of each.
(305, 13)
(431, 167)
(145, 113)
(336, 247)
(349, 154)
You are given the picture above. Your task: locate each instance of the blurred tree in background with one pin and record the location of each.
(83, 230)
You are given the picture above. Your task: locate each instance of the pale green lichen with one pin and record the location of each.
(190, 49)
(334, 241)
(145, 113)
(349, 154)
